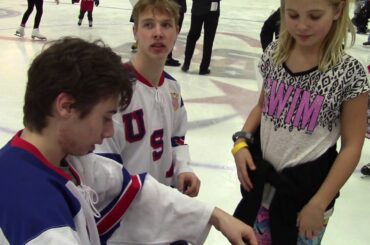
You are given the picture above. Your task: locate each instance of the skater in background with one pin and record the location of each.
(183, 7)
(35, 32)
(86, 6)
(270, 29)
(313, 94)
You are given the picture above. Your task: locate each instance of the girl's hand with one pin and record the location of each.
(244, 163)
(310, 220)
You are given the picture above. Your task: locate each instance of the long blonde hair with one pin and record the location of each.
(332, 48)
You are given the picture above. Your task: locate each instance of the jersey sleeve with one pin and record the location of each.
(180, 150)
(160, 215)
(138, 209)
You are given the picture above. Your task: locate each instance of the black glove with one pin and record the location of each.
(96, 3)
(75, 1)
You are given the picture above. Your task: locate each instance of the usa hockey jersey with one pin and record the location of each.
(104, 205)
(149, 135)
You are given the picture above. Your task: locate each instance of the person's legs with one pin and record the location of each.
(81, 17)
(263, 231)
(20, 31)
(39, 10)
(262, 227)
(170, 60)
(210, 27)
(193, 36)
(90, 18)
(26, 14)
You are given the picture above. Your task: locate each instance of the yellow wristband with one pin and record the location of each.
(239, 146)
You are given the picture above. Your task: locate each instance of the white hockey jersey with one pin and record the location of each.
(149, 135)
(44, 206)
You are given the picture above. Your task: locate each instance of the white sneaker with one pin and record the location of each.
(36, 34)
(20, 31)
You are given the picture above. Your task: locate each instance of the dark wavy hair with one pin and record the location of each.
(88, 71)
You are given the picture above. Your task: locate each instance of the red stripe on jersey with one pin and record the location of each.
(119, 209)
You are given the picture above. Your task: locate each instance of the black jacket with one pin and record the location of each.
(294, 188)
(202, 7)
(183, 6)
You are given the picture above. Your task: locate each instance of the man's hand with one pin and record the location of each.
(233, 229)
(188, 183)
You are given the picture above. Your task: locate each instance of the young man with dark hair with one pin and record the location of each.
(56, 192)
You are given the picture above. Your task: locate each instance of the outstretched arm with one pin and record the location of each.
(233, 229)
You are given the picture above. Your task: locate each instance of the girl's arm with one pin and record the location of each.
(243, 158)
(353, 128)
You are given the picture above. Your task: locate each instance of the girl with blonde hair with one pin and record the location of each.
(313, 93)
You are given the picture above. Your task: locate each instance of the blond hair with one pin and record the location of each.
(332, 48)
(168, 6)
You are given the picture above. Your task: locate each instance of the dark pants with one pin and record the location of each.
(210, 21)
(89, 15)
(31, 4)
(181, 20)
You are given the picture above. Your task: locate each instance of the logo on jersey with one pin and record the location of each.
(175, 101)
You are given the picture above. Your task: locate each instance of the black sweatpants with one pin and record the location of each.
(210, 21)
(31, 4)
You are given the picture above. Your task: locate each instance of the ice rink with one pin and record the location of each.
(217, 104)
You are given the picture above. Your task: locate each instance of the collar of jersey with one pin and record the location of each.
(18, 142)
(143, 80)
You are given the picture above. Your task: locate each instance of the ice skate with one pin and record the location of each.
(90, 23)
(19, 32)
(79, 22)
(37, 35)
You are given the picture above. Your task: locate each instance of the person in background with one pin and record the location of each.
(270, 29)
(86, 6)
(39, 10)
(307, 103)
(183, 7)
(361, 15)
(207, 13)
